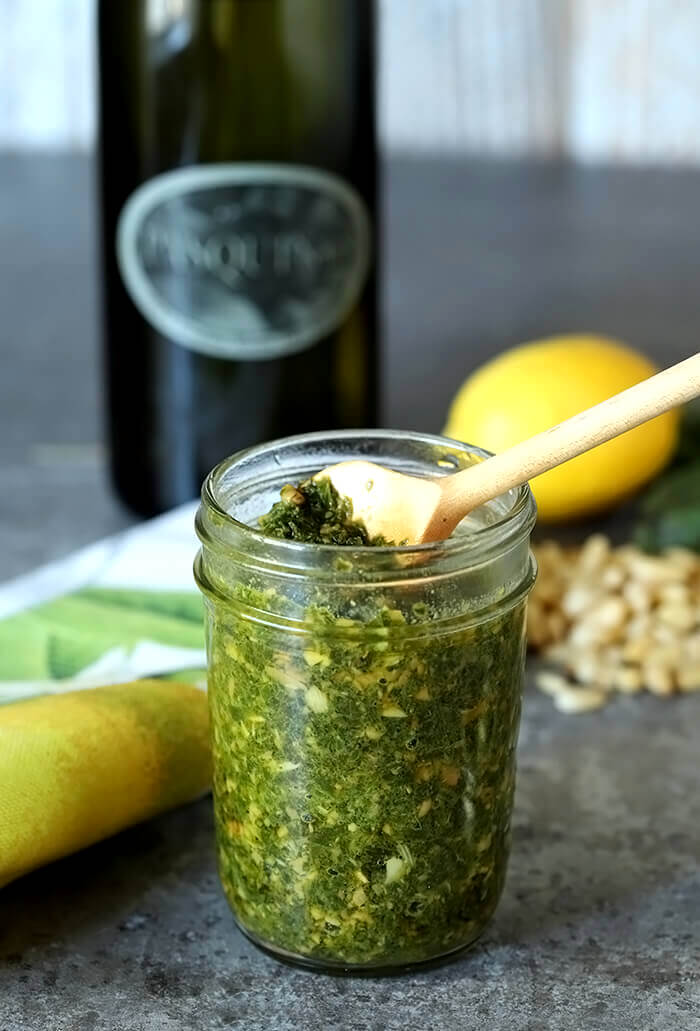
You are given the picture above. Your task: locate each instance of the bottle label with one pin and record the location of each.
(244, 261)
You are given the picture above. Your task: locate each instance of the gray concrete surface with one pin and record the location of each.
(599, 927)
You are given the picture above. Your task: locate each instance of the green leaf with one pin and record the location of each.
(679, 488)
(673, 528)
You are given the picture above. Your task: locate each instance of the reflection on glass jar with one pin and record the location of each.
(365, 707)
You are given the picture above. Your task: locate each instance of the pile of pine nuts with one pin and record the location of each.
(614, 619)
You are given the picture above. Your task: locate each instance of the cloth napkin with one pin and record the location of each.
(77, 767)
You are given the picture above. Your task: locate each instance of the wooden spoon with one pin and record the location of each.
(417, 510)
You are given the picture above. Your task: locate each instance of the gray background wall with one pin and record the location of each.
(598, 80)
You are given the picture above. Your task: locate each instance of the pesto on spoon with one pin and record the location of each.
(315, 513)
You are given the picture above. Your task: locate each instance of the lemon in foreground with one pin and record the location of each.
(532, 387)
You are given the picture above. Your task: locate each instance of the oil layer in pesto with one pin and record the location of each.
(364, 768)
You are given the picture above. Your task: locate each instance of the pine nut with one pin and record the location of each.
(653, 570)
(613, 577)
(674, 594)
(680, 617)
(688, 678)
(551, 683)
(549, 591)
(683, 559)
(578, 599)
(594, 552)
(628, 679)
(667, 655)
(691, 646)
(636, 649)
(664, 634)
(658, 680)
(588, 633)
(580, 699)
(638, 596)
(640, 627)
(586, 669)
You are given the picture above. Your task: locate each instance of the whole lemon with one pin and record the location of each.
(529, 388)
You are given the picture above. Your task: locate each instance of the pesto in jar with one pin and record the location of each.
(364, 768)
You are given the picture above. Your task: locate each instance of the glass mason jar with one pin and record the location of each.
(365, 705)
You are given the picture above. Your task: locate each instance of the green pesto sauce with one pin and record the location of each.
(364, 772)
(315, 513)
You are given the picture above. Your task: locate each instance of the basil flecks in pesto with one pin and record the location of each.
(364, 768)
(315, 513)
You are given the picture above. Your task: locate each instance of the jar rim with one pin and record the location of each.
(216, 526)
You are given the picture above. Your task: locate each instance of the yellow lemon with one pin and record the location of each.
(534, 386)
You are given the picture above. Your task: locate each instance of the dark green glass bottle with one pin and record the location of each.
(238, 177)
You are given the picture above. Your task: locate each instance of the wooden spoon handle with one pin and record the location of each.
(466, 490)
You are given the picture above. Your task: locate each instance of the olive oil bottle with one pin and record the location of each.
(237, 183)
